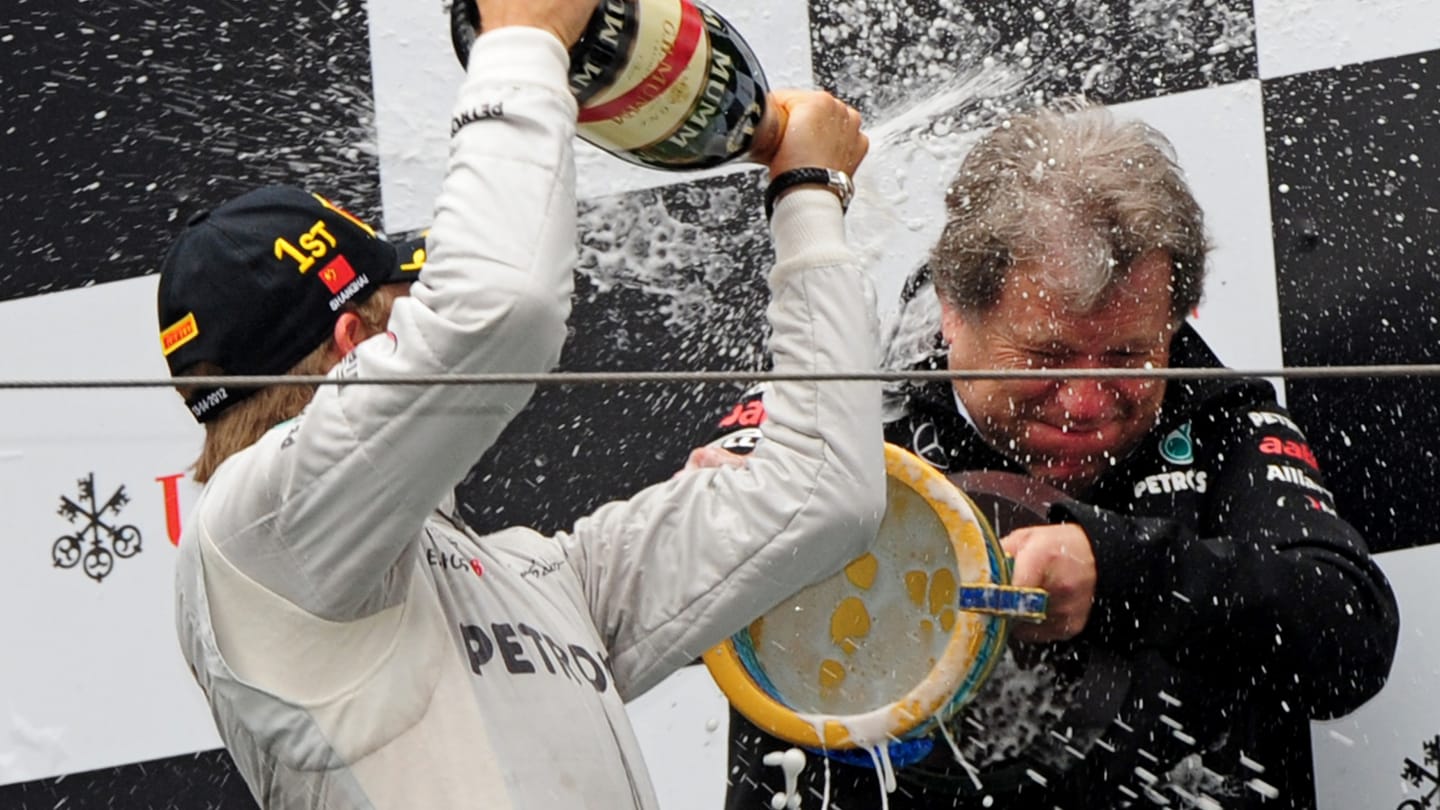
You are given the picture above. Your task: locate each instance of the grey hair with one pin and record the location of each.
(1074, 186)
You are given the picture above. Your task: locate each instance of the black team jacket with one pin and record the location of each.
(1233, 605)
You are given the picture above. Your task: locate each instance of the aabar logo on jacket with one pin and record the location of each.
(745, 414)
(1276, 446)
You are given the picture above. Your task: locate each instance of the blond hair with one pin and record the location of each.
(244, 423)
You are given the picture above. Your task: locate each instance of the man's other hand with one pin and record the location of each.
(1059, 559)
(708, 456)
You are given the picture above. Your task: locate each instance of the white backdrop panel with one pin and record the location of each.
(1296, 36)
(93, 673)
(1219, 135)
(683, 725)
(1359, 758)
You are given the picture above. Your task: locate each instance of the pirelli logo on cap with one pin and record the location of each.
(182, 332)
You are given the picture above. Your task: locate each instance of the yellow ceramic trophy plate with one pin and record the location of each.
(896, 642)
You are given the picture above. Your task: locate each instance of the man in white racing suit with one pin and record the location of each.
(359, 645)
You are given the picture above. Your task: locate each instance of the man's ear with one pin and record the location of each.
(950, 319)
(349, 332)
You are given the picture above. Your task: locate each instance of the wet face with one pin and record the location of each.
(1066, 432)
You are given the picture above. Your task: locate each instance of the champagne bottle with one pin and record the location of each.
(667, 84)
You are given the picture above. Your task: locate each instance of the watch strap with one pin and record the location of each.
(835, 180)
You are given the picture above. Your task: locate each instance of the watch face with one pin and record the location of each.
(843, 186)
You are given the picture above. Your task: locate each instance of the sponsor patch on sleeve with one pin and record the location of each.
(741, 441)
(745, 414)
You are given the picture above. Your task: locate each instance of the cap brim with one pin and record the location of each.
(409, 259)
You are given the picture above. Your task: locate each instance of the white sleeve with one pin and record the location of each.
(685, 563)
(352, 482)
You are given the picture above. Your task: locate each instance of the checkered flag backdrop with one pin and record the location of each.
(1305, 129)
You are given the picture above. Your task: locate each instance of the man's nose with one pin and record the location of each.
(1086, 400)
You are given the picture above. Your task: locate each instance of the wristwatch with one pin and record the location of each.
(833, 179)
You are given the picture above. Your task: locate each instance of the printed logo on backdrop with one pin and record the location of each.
(1425, 776)
(170, 488)
(102, 538)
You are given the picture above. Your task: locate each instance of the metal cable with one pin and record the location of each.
(672, 377)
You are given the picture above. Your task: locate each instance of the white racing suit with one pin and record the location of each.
(362, 648)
